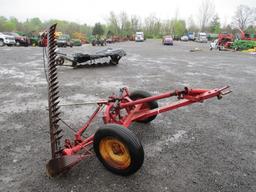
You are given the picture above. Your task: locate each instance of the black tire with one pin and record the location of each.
(1, 43)
(74, 64)
(152, 105)
(114, 60)
(127, 139)
(60, 61)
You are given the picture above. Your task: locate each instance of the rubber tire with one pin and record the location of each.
(2, 43)
(139, 94)
(61, 60)
(131, 142)
(114, 60)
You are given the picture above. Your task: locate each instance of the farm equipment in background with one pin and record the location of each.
(247, 36)
(240, 45)
(76, 42)
(118, 148)
(34, 38)
(42, 42)
(212, 36)
(99, 42)
(104, 57)
(224, 41)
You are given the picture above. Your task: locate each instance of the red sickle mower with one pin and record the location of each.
(115, 146)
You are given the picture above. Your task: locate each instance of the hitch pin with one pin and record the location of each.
(222, 94)
(226, 92)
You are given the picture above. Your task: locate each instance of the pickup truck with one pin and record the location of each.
(6, 40)
(20, 40)
(201, 38)
(64, 41)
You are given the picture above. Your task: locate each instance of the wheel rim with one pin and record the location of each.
(61, 61)
(115, 153)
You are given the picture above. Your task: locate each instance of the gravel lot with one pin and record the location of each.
(202, 147)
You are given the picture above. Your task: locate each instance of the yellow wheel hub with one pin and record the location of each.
(115, 153)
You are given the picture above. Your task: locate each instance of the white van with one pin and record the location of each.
(139, 37)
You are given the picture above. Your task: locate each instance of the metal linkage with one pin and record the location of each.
(53, 95)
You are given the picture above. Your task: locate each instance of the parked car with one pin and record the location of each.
(76, 42)
(139, 37)
(167, 40)
(6, 40)
(184, 38)
(64, 41)
(20, 40)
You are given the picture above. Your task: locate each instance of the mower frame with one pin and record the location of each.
(119, 112)
(134, 111)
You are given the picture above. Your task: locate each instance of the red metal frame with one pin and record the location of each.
(225, 40)
(123, 110)
(246, 36)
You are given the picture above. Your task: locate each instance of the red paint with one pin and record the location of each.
(133, 111)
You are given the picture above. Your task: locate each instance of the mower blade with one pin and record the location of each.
(62, 164)
(53, 95)
(58, 132)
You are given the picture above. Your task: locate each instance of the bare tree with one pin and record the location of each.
(168, 27)
(206, 12)
(244, 16)
(113, 23)
(135, 23)
(152, 25)
(125, 24)
(191, 26)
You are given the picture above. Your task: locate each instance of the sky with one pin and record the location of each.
(92, 11)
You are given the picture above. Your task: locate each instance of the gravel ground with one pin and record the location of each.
(202, 147)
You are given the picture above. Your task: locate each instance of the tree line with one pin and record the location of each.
(122, 24)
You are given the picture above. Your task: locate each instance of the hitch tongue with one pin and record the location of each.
(226, 92)
(222, 92)
(62, 164)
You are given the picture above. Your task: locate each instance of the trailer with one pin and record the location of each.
(107, 56)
